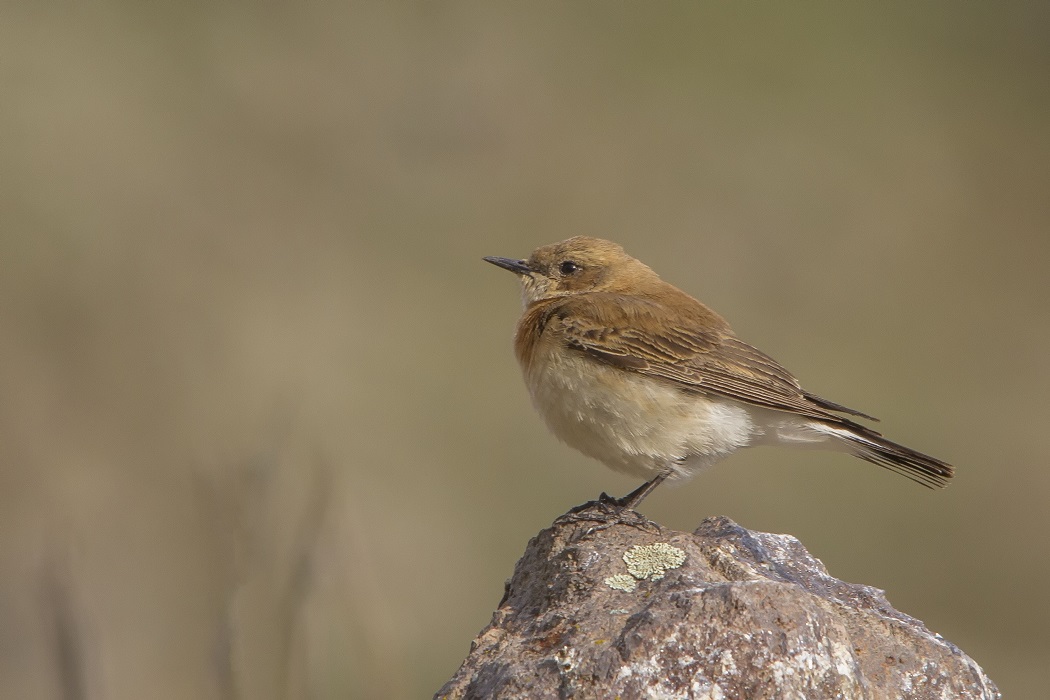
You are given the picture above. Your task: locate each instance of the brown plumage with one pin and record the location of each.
(635, 372)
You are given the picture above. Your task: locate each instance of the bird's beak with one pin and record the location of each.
(517, 266)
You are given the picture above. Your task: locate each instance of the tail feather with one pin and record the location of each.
(872, 447)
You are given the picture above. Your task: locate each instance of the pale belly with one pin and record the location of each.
(635, 424)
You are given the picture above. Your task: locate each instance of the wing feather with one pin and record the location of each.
(685, 344)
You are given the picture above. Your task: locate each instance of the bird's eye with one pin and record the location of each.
(568, 267)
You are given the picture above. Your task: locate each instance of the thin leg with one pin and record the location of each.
(631, 500)
(608, 511)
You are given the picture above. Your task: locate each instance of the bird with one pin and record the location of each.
(636, 373)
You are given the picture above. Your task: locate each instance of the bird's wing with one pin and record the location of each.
(690, 347)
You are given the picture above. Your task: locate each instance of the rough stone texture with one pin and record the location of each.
(746, 615)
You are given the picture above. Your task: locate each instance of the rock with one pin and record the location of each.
(606, 607)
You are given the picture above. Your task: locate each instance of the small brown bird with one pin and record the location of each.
(636, 373)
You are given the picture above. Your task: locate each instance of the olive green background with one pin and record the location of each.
(261, 431)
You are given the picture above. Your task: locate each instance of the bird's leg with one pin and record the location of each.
(601, 515)
(608, 511)
(631, 500)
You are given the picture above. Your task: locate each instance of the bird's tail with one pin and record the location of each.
(872, 447)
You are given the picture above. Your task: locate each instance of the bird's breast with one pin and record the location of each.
(632, 423)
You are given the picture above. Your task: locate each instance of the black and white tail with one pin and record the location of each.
(871, 446)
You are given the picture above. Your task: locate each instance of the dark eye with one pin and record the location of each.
(568, 267)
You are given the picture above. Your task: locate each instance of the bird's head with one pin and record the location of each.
(577, 266)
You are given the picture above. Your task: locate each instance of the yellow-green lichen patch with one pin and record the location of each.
(622, 582)
(652, 561)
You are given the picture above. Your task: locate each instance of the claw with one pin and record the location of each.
(603, 514)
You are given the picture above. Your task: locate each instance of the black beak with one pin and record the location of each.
(517, 266)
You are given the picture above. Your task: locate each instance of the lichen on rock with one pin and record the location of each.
(726, 612)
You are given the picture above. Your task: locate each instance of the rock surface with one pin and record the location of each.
(600, 608)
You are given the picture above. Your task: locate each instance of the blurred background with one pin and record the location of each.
(262, 434)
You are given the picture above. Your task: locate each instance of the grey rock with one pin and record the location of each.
(721, 613)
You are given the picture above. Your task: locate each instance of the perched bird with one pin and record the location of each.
(634, 372)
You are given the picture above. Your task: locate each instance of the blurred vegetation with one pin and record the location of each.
(262, 433)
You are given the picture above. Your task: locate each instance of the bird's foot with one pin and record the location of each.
(603, 514)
